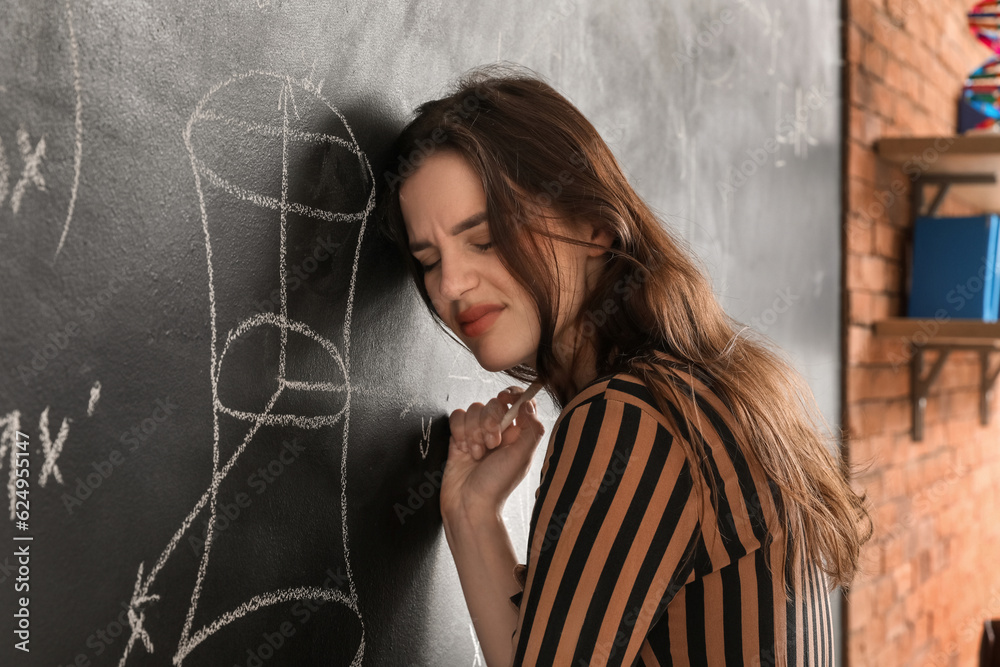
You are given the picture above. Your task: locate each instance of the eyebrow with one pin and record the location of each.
(468, 223)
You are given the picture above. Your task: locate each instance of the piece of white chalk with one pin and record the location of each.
(528, 394)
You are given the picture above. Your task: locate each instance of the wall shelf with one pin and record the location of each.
(962, 164)
(967, 166)
(944, 337)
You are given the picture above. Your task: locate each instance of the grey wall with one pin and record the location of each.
(152, 154)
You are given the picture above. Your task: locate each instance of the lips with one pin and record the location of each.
(475, 312)
(478, 319)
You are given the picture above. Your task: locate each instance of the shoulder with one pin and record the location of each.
(615, 417)
(622, 393)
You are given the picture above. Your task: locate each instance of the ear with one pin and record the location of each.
(601, 236)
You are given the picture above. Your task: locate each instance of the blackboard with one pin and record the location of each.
(163, 165)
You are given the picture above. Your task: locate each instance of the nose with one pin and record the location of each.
(458, 275)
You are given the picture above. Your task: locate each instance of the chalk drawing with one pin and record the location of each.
(11, 423)
(407, 407)
(95, 395)
(761, 13)
(137, 617)
(425, 439)
(478, 660)
(4, 174)
(771, 28)
(775, 35)
(797, 122)
(77, 124)
(51, 450)
(211, 110)
(30, 174)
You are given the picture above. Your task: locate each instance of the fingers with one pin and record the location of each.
(476, 430)
(527, 418)
(456, 422)
(467, 430)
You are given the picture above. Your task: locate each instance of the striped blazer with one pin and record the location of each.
(621, 570)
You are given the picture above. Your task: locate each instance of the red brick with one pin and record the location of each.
(858, 378)
(923, 124)
(865, 272)
(859, 339)
(866, 127)
(892, 276)
(924, 29)
(865, 428)
(860, 607)
(890, 36)
(860, 84)
(860, 236)
(874, 384)
(861, 161)
(868, 202)
(895, 71)
(936, 411)
(897, 11)
(870, 484)
(893, 481)
(859, 307)
(902, 577)
(882, 99)
(873, 59)
(855, 43)
(860, 13)
(885, 595)
(885, 305)
(888, 242)
(870, 565)
(887, 520)
(896, 629)
(964, 406)
(957, 63)
(890, 383)
(921, 631)
(893, 351)
(897, 414)
(916, 582)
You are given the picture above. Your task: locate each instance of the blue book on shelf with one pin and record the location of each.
(995, 306)
(955, 271)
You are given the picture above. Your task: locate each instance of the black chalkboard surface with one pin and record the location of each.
(198, 318)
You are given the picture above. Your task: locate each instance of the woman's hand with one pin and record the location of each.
(485, 466)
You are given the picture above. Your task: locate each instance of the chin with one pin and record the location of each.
(495, 364)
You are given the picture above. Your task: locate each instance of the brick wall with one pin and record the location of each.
(931, 574)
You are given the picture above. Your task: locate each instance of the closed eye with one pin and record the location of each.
(481, 247)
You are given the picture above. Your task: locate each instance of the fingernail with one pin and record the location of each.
(531, 408)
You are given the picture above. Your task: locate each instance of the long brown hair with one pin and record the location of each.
(653, 306)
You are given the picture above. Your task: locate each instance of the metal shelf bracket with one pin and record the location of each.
(920, 383)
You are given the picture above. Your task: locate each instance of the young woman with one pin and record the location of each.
(690, 510)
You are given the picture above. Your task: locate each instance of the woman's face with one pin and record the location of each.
(444, 208)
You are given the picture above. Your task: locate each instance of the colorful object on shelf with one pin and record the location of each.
(955, 272)
(984, 21)
(979, 108)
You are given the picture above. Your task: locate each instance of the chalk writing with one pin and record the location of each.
(77, 124)
(11, 424)
(293, 133)
(51, 450)
(425, 437)
(31, 172)
(95, 395)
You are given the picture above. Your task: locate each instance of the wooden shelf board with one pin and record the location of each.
(945, 332)
(961, 154)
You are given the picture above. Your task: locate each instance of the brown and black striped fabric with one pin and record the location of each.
(623, 571)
